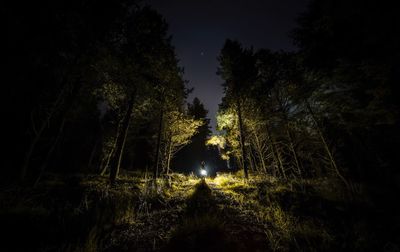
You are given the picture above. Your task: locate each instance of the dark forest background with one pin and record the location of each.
(95, 88)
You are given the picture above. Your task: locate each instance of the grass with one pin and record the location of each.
(225, 213)
(300, 215)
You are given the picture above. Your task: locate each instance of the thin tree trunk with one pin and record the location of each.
(38, 134)
(253, 162)
(260, 153)
(65, 101)
(50, 153)
(160, 128)
(275, 153)
(242, 140)
(293, 150)
(169, 155)
(326, 147)
(108, 158)
(165, 153)
(103, 167)
(279, 155)
(120, 142)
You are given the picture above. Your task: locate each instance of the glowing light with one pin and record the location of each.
(203, 172)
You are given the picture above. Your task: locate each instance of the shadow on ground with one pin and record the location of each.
(204, 226)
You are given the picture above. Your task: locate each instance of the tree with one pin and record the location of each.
(237, 68)
(196, 151)
(178, 133)
(351, 76)
(53, 47)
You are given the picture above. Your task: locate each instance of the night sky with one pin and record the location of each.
(200, 27)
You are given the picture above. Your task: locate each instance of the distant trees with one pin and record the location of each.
(196, 151)
(191, 155)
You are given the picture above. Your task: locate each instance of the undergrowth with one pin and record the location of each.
(181, 213)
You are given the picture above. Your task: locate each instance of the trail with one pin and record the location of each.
(214, 221)
(207, 218)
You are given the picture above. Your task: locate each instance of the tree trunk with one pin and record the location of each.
(164, 153)
(169, 155)
(160, 128)
(107, 159)
(279, 156)
(115, 161)
(326, 147)
(260, 153)
(293, 150)
(253, 162)
(92, 154)
(38, 134)
(63, 103)
(242, 140)
(50, 153)
(275, 155)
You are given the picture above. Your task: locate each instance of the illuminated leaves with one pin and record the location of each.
(226, 120)
(218, 141)
(180, 129)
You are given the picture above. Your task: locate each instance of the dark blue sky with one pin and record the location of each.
(200, 28)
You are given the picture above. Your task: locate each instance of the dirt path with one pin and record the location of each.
(214, 221)
(209, 219)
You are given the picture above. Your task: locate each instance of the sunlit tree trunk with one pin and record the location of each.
(242, 140)
(115, 161)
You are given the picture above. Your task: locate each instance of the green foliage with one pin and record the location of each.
(181, 129)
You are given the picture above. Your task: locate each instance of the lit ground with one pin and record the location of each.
(183, 213)
(226, 213)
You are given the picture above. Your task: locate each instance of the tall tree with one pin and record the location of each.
(237, 68)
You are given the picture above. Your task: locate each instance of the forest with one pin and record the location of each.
(103, 148)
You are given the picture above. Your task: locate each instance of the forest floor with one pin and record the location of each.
(184, 213)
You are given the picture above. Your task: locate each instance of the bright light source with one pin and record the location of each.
(203, 172)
